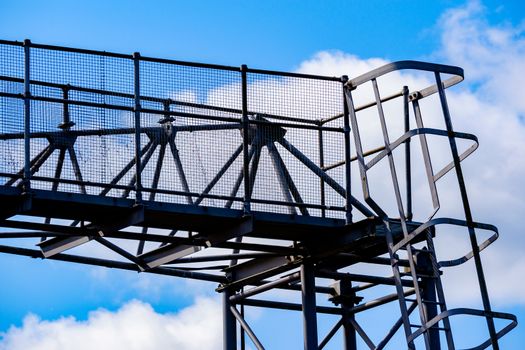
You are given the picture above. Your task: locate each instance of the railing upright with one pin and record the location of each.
(245, 142)
(137, 109)
(408, 166)
(26, 181)
(346, 128)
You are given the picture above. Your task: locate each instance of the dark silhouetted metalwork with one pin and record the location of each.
(256, 180)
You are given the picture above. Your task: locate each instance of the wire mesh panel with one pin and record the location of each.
(11, 110)
(177, 135)
(197, 137)
(85, 143)
(285, 117)
(188, 144)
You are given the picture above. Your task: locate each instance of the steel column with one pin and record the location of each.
(138, 170)
(468, 214)
(349, 338)
(27, 116)
(428, 295)
(309, 310)
(245, 135)
(229, 323)
(408, 166)
(321, 165)
(346, 128)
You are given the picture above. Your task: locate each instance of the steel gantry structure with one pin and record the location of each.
(252, 179)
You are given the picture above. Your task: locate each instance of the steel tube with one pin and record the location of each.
(362, 278)
(289, 306)
(331, 334)
(199, 259)
(113, 264)
(292, 187)
(319, 172)
(26, 182)
(346, 128)
(219, 174)
(265, 287)
(395, 328)
(354, 158)
(379, 301)
(137, 107)
(246, 328)
(245, 140)
(321, 165)
(229, 324)
(408, 168)
(362, 107)
(468, 214)
(309, 307)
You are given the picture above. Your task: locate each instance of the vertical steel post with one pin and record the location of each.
(344, 295)
(26, 181)
(468, 214)
(349, 339)
(246, 137)
(321, 165)
(242, 334)
(428, 294)
(138, 177)
(346, 128)
(309, 306)
(408, 173)
(65, 109)
(229, 324)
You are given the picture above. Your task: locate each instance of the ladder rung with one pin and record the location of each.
(425, 301)
(433, 327)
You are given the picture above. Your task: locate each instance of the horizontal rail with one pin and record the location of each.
(457, 72)
(113, 264)
(471, 312)
(169, 101)
(289, 306)
(363, 107)
(170, 61)
(176, 193)
(354, 158)
(165, 112)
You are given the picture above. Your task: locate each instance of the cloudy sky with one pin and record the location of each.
(51, 305)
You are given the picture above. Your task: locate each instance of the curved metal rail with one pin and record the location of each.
(242, 158)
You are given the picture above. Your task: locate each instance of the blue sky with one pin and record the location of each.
(269, 34)
(279, 35)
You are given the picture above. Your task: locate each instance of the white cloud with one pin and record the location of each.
(492, 55)
(494, 60)
(134, 326)
(489, 104)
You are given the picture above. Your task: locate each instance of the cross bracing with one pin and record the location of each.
(255, 180)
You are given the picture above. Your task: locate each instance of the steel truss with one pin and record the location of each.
(294, 243)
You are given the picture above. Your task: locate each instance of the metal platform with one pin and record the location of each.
(253, 179)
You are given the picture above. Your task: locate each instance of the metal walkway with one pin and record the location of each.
(256, 180)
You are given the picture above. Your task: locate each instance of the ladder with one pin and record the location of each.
(424, 268)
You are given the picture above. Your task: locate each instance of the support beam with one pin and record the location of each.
(229, 337)
(308, 301)
(246, 328)
(428, 295)
(256, 270)
(57, 245)
(167, 254)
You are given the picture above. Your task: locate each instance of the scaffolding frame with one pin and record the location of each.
(294, 243)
